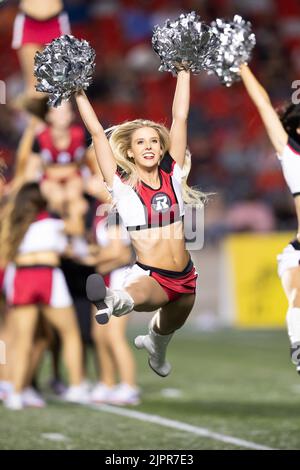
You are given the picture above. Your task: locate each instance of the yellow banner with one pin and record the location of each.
(259, 299)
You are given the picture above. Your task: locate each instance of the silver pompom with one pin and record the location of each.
(186, 43)
(65, 66)
(237, 42)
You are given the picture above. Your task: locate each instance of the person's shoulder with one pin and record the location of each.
(167, 163)
(171, 167)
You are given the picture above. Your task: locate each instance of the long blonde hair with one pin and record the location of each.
(120, 141)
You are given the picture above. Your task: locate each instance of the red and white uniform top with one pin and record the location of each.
(50, 155)
(290, 162)
(30, 285)
(44, 234)
(145, 207)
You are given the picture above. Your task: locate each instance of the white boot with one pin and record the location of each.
(101, 393)
(108, 301)
(32, 398)
(124, 394)
(14, 401)
(156, 345)
(118, 301)
(5, 389)
(293, 325)
(295, 355)
(77, 394)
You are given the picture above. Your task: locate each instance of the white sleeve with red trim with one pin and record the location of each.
(169, 165)
(290, 162)
(128, 203)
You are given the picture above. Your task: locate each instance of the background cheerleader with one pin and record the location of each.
(31, 243)
(35, 25)
(284, 133)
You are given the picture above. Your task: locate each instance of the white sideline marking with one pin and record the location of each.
(171, 423)
(171, 392)
(54, 436)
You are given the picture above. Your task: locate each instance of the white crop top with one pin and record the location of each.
(290, 162)
(44, 235)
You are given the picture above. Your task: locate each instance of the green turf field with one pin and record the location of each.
(234, 383)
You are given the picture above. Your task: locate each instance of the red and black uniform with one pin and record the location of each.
(74, 153)
(161, 205)
(145, 208)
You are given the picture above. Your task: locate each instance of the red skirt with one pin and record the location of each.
(32, 285)
(174, 283)
(28, 30)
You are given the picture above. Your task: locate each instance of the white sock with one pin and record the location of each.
(159, 342)
(293, 324)
(156, 345)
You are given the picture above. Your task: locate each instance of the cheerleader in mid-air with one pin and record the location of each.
(142, 163)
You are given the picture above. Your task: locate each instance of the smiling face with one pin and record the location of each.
(145, 147)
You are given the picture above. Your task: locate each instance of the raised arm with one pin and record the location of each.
(28, 164)
(24, 149)
(260, 98)
(104, 155)
(180, 112)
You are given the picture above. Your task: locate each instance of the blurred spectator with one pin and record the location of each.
(246, 216)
